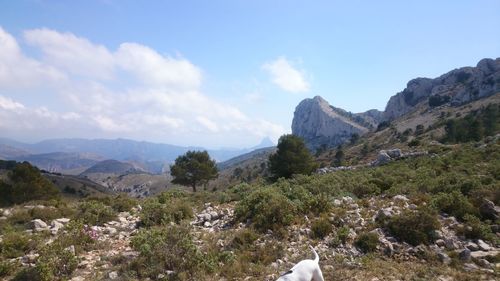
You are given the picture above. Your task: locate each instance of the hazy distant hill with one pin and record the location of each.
(119, 149)
(112, 167)
(61, 162)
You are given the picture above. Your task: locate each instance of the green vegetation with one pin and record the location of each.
(414, 227)
(321, 227)
(193, 168)
(169, 248)
(475, 126)
(162, 211)
(24, 183)
(292, 158)
(266, 208)
(95, 213)
(367, 242)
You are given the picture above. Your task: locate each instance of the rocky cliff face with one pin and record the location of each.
(319, 124)
(456, 87)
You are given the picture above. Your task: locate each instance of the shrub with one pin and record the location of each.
(50, 213)
(321, 227)
(95, 213)
(414, 227)
(244, 239)
(156, 213)
(168, 248)
(123, 203)
(15, 244)
(476, 229)
(56, 262)
(367, 242)
(6, 268)
(343, 233)
(454, 203)
(267, 208)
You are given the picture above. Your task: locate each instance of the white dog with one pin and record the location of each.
(305, 270)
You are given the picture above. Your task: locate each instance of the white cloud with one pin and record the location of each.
(19, 71)
(73, 54)
(285, 76)
(157, 70)
(132, 92)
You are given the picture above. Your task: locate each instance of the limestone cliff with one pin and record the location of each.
(456, 87)
(319, 123)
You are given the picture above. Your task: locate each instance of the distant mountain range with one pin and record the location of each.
(73, 156)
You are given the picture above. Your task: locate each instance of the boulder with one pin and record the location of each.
(483, 246)
(394, 153)
(382, 158)
(465, 255)
(489, 210)
(113, 275)
(444, 258)
(38, 225)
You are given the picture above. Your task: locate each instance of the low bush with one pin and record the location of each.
(454, 203)
(6, 268)
(243, 239)
(266, 208)
(154, 212)
(476, 229)
(95, 213)
(168, 248)
(367, 242)
(16, 244)
(321, 228)
(414, 227)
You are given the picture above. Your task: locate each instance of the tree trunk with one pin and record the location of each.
(194, 187)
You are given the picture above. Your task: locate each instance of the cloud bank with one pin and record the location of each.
(76, 88)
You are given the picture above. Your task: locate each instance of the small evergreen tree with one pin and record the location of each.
(193, 168)
(292, 157)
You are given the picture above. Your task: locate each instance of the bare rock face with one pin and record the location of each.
(320, 124)
(456, 87)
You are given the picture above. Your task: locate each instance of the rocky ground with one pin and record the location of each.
(473, 256)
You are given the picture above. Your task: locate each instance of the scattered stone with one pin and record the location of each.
(484, 263)
(483, 245)
(7, 213)
(489, 210)
(444, 258)
(465, 255)
(63, 220)
(470, 267)
(394, 153)
(472, 246)
(38, 225)
(113, 275)
(440, 242)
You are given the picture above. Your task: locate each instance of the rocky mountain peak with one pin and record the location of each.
(459, 86)
(319, 123)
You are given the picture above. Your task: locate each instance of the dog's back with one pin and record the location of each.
(305, 270)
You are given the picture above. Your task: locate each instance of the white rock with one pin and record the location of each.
(38, 225)
(483, 245)
(113, 275)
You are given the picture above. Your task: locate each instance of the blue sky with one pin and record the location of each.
(219, 73)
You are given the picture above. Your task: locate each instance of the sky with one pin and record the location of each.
(219, 73)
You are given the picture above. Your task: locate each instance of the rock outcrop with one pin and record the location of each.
(319, 124)
(456, 87)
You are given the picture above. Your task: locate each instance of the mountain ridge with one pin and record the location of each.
(321, 124)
